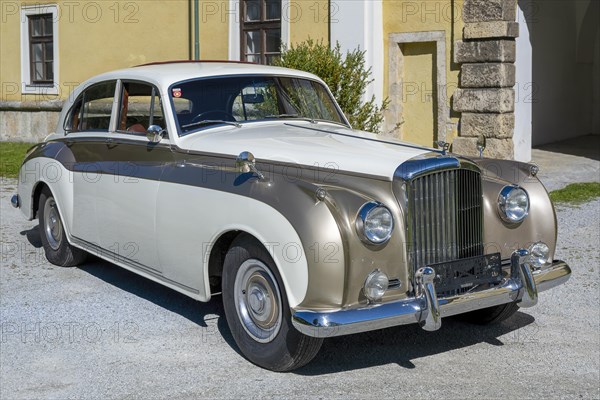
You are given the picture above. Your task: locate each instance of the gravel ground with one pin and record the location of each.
(100, 332)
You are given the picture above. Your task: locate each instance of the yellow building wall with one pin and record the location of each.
(214, 19)
(308, 19)
(431, 15)
(96, 37)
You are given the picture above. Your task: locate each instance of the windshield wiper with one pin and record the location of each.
(212, 121)
(294, 116)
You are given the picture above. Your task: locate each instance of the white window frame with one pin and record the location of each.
(234, 27)
(27, 86)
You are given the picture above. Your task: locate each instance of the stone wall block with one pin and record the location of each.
(495, 148)
(500, 126)
(484, 100)
(27, 126)
(489, 10)
(486, 51)
(491, 30)
(487, 75)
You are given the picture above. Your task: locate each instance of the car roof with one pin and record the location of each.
(167, 73)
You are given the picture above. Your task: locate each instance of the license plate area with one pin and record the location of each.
(460, 276)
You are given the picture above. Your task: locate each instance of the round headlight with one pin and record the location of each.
(374, 223)
(539, 254)
(375, 285)
(513, 204)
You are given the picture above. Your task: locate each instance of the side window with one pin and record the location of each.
(92, 109)
(140, 107)
(97, 107)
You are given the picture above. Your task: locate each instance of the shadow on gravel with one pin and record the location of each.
(402, 344)
(33, 236)
(399, 345)
(162, 296)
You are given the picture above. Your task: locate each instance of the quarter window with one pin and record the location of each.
(260, 31)
(92, 110)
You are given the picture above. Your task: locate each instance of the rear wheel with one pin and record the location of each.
(490, 315)
(54, 239)
(257, 310)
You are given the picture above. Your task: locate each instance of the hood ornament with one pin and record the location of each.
(443, 145)
(481, 145)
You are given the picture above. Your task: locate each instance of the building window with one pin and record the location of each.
(39, 49)
(41, 54)
(260, 30)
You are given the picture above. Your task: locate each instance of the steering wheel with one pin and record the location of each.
(214, 115)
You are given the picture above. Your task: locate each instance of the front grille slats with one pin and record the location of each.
(446, 217)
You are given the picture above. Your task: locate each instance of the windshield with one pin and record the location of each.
(202, 103)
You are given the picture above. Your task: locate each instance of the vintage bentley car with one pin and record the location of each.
(249, 181)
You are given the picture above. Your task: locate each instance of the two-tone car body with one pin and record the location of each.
(248, 180)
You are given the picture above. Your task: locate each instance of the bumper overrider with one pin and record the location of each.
(521, 286)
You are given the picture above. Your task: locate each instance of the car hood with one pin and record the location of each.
(319, 145)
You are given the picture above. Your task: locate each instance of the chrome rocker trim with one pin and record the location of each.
(522, 286)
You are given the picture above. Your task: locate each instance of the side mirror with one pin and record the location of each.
(245, 162)
(155, 133)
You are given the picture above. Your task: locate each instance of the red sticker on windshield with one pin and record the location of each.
(176, 92)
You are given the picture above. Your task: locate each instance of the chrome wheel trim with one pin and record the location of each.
(258, 301)
(52, 224)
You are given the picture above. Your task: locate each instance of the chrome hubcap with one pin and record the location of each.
(52, 224)
(258, 301)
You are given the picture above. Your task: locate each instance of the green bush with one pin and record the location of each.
(345, 75)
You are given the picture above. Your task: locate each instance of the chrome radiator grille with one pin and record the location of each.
(445, 217)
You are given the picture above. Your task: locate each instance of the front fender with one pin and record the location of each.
(539, 225)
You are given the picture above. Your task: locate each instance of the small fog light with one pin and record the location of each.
(375, 285)
(539, 254)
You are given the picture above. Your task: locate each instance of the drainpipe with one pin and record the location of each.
(196, 31)
(329, 22)
(190, 39)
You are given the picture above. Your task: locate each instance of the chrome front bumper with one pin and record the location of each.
(522, 286)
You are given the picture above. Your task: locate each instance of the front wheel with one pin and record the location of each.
(54, 239)
(257, 310)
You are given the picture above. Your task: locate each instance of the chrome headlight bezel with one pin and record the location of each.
(364, 213)
(503, 199)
